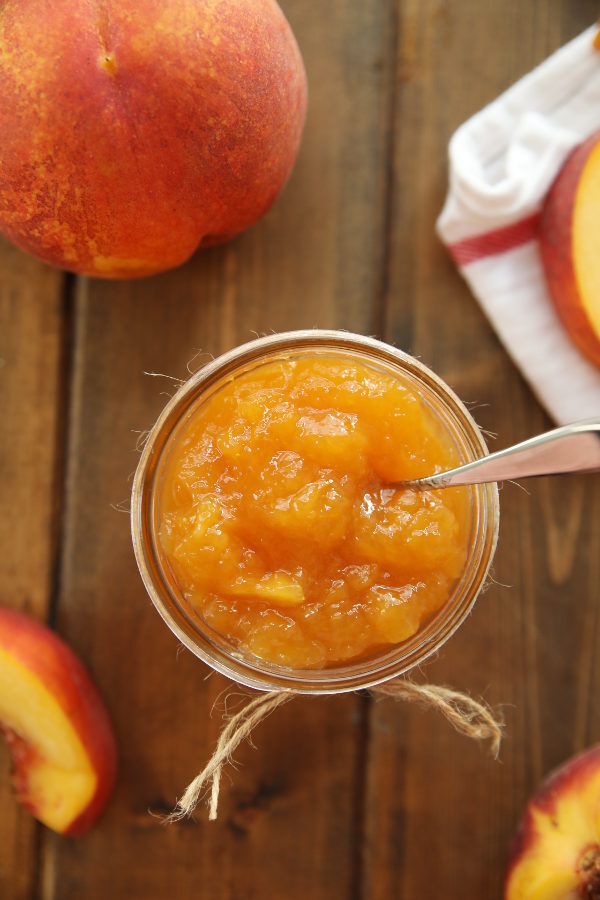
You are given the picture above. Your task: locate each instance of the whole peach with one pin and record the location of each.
(133, 132)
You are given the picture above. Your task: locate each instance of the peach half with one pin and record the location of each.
(56, 726)
(570, 246)
(556, 852)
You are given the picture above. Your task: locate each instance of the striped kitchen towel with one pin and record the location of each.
(502, 162)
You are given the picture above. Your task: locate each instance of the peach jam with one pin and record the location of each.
(277, 518)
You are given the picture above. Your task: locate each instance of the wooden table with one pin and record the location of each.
(342, 797)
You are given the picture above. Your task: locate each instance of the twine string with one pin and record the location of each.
(239, 727)
(468, 716)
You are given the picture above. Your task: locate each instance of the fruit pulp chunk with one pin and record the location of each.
(275, 518)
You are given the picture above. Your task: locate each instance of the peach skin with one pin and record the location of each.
(135, 132)
(570, 246)
(556, 852)
(56, 726)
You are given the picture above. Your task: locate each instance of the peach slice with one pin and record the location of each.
(56, 725)
(556, 852)
(570, 246)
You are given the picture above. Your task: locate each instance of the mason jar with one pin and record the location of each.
(160, 582)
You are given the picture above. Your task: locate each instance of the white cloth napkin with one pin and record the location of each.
(502, 162)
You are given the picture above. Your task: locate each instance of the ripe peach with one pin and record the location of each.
(556, 852)
(56, 725)
(570, 245)
(135, 131)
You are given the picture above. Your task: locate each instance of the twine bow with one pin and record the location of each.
(468, 716)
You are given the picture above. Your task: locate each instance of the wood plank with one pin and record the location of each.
(31, 355)
(289, 825)
(440, 812)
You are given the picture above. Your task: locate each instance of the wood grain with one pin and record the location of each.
(343, 797)
(440, 812)
(288, 817)
(31, 386)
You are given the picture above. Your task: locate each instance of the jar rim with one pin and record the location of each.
(354, 675)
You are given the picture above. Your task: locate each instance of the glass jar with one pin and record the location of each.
(158, 578)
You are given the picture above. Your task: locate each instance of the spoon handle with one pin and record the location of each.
(572, 448)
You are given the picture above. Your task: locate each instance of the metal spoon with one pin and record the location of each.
(572, 448)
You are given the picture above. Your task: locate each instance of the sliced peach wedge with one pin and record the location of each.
(570, 245)
(556, 852)
(56, 726)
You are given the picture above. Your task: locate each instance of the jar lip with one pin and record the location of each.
(256, 673)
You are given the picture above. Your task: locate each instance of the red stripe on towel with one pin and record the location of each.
(497, 241)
